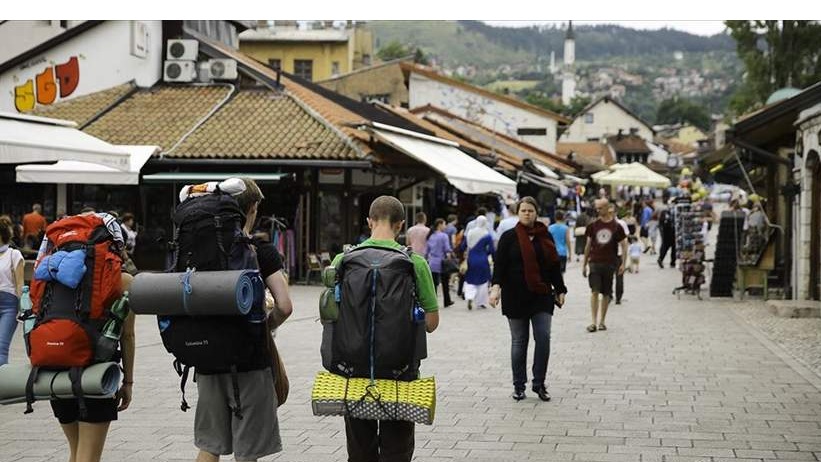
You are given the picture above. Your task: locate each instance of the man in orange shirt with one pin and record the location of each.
(34, 224)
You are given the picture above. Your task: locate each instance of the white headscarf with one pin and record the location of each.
(478, 231)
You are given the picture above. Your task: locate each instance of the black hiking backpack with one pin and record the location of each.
(380, 330)
(208, 236)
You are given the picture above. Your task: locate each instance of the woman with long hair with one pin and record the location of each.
(11, 287)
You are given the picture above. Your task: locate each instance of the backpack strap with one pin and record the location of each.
(237, 410)
(75, 375)
(223, 254)
(30, 389)
(175, 251)
(182, 371)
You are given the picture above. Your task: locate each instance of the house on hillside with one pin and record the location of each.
(604, 117)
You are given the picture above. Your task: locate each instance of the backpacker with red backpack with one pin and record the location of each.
(209, 236)
(77, 280)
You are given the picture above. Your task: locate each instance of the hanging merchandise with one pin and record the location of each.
(689, 246)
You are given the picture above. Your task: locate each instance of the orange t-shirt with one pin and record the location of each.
(33, 223)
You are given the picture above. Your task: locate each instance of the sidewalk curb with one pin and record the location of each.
(796, 364)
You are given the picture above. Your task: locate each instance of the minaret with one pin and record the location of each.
(569, 71)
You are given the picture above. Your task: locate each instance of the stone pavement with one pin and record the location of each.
(673, 380)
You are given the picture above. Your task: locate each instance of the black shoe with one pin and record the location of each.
(661, 264)
(518, 395)
(470, 304)
(618, 302)
(542, 393)
(448, 304)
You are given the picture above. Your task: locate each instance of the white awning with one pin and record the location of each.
(462, 171)
(545, 182)
(27, 139)
(635, 174)
(181, 177)
(74, 172)
(546, 171)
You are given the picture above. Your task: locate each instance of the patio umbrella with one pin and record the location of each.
(634, 174)
(599, 175)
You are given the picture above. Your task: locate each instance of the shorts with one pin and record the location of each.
(644, 232)
(219, 432)
(97, 410)
(634, 260)
(601, 278)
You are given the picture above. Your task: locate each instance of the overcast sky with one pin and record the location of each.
(694, 27)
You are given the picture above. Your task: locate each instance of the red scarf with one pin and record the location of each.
(531, 263)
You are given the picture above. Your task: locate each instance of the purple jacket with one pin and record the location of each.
(438, 247)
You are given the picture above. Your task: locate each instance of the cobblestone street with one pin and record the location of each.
(673, 380)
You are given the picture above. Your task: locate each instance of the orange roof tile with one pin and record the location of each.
(157, 116)
(264, 124)
(343, 119)
(83, 108)
(590, 153)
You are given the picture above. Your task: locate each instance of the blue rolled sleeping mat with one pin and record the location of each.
(98, 381)
(196, 293)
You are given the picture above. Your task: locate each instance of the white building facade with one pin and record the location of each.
(107, 55)
(603, 118)
(515, 119)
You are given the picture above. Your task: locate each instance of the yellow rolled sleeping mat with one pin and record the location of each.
(413, 401)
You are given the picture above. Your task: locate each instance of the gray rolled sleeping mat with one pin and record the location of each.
(98, 381)
(194, 293)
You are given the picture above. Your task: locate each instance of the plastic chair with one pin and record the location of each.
(314, 266)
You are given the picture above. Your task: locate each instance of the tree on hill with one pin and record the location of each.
(678, 110)
(576, 105)
(394, 50)
(776, 54)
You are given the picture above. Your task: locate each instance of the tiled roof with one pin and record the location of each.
(158, 116)
(485, 155)
(431, 74)
(589, 154)
(264, 124)
(676, 147)
(629, 144)
(514, 151)
(83, 108)
(342, 119)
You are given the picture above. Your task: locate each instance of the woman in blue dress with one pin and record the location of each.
(479, 244)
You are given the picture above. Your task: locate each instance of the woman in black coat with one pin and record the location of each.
(528, 278)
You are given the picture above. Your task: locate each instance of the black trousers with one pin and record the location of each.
(668, 243)
(444, 279)
(618, 281)
(379, 440)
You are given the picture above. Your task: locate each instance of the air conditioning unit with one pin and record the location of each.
(179, 71)
(182, 50)
(220, 69)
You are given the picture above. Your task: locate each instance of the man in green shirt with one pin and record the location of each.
(390, 440)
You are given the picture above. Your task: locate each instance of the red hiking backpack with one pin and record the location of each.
(68, 320)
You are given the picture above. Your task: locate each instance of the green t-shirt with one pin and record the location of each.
(425, 290)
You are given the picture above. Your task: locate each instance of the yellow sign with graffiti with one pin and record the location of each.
(44, 88)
